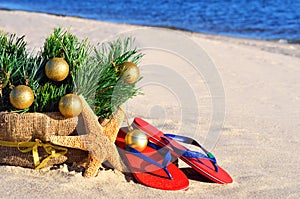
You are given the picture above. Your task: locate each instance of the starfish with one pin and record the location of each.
(92, 137)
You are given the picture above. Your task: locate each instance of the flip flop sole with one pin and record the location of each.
(149, 174)
(205, 168)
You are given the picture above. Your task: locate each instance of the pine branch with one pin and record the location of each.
(60, 44)
(95, 72)
(14, 66)
(48, 96)
(111, 91)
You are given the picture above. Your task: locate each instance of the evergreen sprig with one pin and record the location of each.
(95, 72)
(66, 45)
(17, 67)
(111, 90)
(63, 44)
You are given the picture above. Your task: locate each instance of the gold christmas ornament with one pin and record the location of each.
(136, 139)
(57, 69)
(131, 72)
(70, 105)
(21, 97)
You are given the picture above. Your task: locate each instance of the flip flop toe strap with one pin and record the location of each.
(188, 153)
(166, 160)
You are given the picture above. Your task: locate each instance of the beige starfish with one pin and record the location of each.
(92, 138)
(111, 126)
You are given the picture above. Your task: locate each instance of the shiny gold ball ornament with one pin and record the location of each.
(70, 105)
(21, 97)
(131, 72)
(136, 139)
(57, 69)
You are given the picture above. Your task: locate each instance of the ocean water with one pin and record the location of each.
(260, 19)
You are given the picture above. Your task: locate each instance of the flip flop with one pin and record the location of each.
(205, 165)
(150, 167)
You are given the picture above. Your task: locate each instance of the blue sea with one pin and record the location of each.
(259, 19)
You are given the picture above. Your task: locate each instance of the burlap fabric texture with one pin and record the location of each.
(19, 130)
(27, 127)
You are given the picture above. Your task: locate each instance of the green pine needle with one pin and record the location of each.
(94, 71)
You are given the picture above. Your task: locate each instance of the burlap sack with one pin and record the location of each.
(12, 156)
(29, 126)
(26, 127)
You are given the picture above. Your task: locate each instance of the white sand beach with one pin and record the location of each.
(256, 110)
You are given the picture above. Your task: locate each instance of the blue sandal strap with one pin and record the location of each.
(191, 154)
(166, 160)
(186, 140)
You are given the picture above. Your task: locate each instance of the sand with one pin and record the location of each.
(239, 97)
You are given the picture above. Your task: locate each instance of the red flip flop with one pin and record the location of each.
(148, 167)
(205, 165)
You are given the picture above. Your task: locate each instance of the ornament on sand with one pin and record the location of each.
(57, 69)
(92, 139)
(136, 139)
(21, 97)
